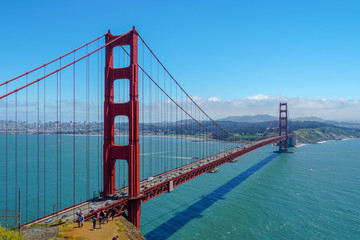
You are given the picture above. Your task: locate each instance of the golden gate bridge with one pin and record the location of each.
(106, 127)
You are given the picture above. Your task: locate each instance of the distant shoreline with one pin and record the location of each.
(325, 141)
(97, 135)
(299, 144)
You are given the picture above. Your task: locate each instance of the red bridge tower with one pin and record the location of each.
(131, 152)
(283, 127)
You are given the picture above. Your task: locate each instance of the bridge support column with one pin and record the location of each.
(131, 152)
(283, 127)
(171, 186)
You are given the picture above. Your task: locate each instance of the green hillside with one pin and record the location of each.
(315, 135)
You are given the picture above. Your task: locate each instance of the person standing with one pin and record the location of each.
(107, 216)
(99, 220)
(94, 222)
(82, 220)
(78, 220)
(102, 215)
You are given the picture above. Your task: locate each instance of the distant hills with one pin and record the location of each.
(249, 119)
(307, 129)
(266, 118)
(314, 119)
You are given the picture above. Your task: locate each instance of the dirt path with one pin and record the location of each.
(108, 231)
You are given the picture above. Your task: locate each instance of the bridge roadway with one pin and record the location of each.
(154, 186)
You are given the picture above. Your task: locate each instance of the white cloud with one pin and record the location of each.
(214, 99)
(338, 109)
(197, 98)
(258, 97)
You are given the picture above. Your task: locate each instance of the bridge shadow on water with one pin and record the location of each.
(167, 229)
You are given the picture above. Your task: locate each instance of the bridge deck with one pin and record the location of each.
(156, 185)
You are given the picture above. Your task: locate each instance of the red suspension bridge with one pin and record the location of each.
(106, 127)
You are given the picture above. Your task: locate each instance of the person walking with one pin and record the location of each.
(102, 215)
(99, 220)
(94, 222)
(107, 216)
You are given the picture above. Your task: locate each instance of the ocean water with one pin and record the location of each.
(313, 193)
(54, 175)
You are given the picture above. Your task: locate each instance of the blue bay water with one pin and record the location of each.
(313, 193)
(55, 169)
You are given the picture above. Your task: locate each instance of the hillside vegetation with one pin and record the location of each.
(306, 131)
(315, 135)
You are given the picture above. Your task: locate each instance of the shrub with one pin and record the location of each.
(10, 235)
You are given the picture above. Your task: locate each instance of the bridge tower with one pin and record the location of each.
(283, 127)
(130, 152)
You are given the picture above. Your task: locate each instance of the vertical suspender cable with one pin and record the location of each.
(192, 131)
(143, 118)
(207, 142)
(150, 115)
(38, 151)
(161, 128)
(98, 113)
(167, 124)
(57, 141)
(164, 128)
(181, 130)
(206, 139)
(157, 121)
(171, 124)
(125, 124)
(203, 136)
(16, 160)
(74, 189)
(60, 136)
(161, 142)
(126, 62)
(188, 130)
(156, 112)
(121, 98)
(101, 111)
(177, 129)
(118, 174)
(122, 165)
(44, 143)
(6, 156)
(87, 126)
(188, 126)
(199, 134)
(27, 154)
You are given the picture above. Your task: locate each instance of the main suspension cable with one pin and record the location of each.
(59, 58)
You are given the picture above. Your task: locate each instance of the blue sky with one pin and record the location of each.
(218, 50)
